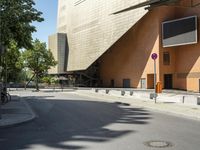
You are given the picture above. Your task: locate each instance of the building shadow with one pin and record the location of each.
(67, 124)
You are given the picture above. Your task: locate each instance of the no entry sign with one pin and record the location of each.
(154, 56)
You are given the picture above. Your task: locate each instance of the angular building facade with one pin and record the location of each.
(58, 43)
(111, 42)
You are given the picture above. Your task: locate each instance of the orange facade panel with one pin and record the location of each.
(129, 57)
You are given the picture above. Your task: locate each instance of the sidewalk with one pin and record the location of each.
(169, 107)
(15, 112)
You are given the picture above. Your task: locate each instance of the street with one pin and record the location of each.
(69, 121)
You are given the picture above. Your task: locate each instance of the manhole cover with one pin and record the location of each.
(158, 144)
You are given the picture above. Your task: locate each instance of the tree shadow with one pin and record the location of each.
(67, 124)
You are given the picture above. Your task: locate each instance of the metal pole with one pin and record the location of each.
(25, 80)
(62, 85)
(155, 95)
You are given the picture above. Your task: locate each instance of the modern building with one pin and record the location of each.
(110, 43)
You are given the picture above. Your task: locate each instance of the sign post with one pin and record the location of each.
(154, 56)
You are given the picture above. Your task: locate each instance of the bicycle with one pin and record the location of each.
(5, 97)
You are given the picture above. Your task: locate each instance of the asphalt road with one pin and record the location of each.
(68, 121)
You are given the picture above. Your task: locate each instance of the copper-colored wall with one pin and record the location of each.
(130, 58)
(166, 13)
(185, 60)
(188, 58)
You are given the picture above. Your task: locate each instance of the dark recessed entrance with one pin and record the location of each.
(168, 81)
(112, 83)
(126, 83)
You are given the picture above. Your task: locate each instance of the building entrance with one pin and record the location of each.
(126, 83)
(143, 83)
(168, 81)
(150, 81)
(112, 83)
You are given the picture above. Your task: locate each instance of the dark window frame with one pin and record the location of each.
(166, 58)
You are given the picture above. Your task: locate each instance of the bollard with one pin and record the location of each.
(96, 90)
(131, 93)
(152, 95)
(107, 91)
(198, 100)
(122, 93)
(183, 99)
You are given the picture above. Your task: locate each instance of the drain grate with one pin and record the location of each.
(158, 144)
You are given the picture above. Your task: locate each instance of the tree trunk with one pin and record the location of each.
(36, 82)
(32, 78)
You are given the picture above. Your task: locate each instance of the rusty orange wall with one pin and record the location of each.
(188, 57)
(185, 60)
(166, 13)
(130, 56)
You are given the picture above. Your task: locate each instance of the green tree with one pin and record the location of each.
(47, 79)
(54, 81)
(38, 59)
(16, 17)
(11, 61)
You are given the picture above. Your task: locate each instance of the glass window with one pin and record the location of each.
(166, 58)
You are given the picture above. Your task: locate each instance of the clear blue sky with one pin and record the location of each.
(48, 26)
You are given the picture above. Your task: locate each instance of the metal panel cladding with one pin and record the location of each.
(91, 27)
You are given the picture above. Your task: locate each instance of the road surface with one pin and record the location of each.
(66, 121)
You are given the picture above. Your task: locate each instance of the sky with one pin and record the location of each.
(48, 26)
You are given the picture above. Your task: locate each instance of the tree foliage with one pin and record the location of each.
(47, 79)
(12, 63)
(38, 59)
(16, 17)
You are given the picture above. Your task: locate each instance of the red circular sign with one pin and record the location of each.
(154, 56)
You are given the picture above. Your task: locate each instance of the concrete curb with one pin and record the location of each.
(184, 98)
(18, 121)
(133, 102)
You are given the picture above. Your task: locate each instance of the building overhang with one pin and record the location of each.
(148, 3)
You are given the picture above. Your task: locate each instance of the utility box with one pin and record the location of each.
(159, 87)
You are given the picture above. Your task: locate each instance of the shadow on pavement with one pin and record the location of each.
(66, 124)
